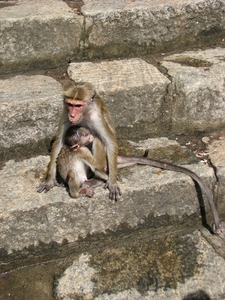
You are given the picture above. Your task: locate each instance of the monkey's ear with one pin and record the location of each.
(74, 147)
(93, 97)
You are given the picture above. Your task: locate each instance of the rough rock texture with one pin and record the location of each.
(143, 26)
(37, 34)
(143, 101)
(216, 149)
(29, 109)
(133, 90)
(161, 274)
(46, 33)
(139, 96)
(28, 217)
(159, 149)
(144, 246)
(197, 90)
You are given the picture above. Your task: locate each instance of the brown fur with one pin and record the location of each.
(90, 111)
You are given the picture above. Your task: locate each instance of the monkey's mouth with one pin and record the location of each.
(74, 120)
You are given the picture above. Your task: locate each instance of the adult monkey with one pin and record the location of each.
(81, 137)
(84, 107)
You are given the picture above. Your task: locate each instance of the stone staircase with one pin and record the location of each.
(122, 47)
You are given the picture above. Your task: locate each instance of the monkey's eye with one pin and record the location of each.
(74, 105)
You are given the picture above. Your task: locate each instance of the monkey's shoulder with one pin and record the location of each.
(65, 156)
(64, 151)
(84, 152)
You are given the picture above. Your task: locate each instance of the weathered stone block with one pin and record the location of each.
(29, 109)
(142, 270)
(42, 33)
(159, 149)
(124, 28)
(151, 198)
(197, 90)
(216, 149)
(36, 34)
(133, 90)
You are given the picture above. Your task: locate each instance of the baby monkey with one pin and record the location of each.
(75, 161)
(75, 158)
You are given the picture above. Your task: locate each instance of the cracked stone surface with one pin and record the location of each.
(130, 270)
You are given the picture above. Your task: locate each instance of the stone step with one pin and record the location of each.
(37, 34)
(45, 33)
(151, 198)
(143, 101)
(176, 267)
(197, 90)
(155, 208)
(183, 95)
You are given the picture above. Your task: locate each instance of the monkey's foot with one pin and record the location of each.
(88, 191)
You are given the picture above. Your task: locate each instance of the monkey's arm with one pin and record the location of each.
(57, 145)
(111, 184)
(104, 127)
(89, 159)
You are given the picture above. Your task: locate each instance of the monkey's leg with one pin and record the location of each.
(74, 184)
(93, 183)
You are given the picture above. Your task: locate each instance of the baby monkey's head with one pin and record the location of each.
(76, 137)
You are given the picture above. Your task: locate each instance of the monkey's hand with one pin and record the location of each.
(114, 191)
(47, 186)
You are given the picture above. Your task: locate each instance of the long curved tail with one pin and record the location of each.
(125, 161)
